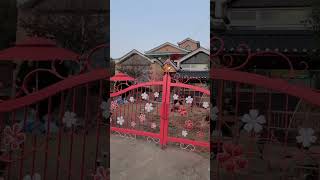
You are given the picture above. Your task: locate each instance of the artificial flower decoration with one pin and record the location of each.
(148, 107)
(184, 133)
(35, 176)
(214, 112)
(142, 117)
(101, 174)
(156, 94)
(182, 111)
(131, 99)
(175, 97)
(114, 105)
(144, 96)
(189, 100)
(69, 119)
(153, 125)
(253, 121)
(13, 137)
(104, 105)
(120, 120)
(306, 137)
(205, 105)
(188, 124)
(231, 159)
(133, 124)
(200, 134)
(106, 114)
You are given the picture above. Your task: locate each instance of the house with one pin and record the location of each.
(269, 26)
(190, 59)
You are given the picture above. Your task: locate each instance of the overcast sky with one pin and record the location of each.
(145, 24)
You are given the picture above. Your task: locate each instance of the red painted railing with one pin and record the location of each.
(66, 143)
(164, 116)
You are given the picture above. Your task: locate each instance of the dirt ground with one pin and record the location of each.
(139, 159)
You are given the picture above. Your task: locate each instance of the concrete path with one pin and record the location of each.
(141, 160)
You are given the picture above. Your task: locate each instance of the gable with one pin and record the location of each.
(165, 49)
(199, 58)
(189, 45)
(135, 60)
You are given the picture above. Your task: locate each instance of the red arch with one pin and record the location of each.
(304, 93)
(42, 94)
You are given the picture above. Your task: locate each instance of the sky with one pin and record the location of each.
(145, 24)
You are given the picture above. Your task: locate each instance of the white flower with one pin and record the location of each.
(131, 99)
(35, 176)
(184, 133)
(144, 96)
(189, 100)
(110, 119)
(156, 94)
(253, 121)
(306, 137)
(153, 125)
(214, 112)
(205, 105)
(175, 97)
(133, 124)
(148, 107)
(69, 119)
(120, 120)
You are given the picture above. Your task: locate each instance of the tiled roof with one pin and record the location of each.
(263, 40)
(63, 5)
(270, 3)
(193, 74)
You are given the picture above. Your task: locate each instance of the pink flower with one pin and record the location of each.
(101, 174)
(142, 117)
(133, 124)
(13, 136)
(231, 159)
(153, 125)
(188, 124)
(114, 105)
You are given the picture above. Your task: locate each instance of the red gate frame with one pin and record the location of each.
(164, 112)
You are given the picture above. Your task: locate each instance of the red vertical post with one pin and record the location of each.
(164, 111)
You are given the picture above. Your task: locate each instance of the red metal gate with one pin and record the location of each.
(163, 111)
(57, 132)
(266, 128)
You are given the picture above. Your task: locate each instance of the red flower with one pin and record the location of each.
(188, 124)
(231, 158)
(13, 137)
(182, 111)
(114, 105)
(101, 174)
